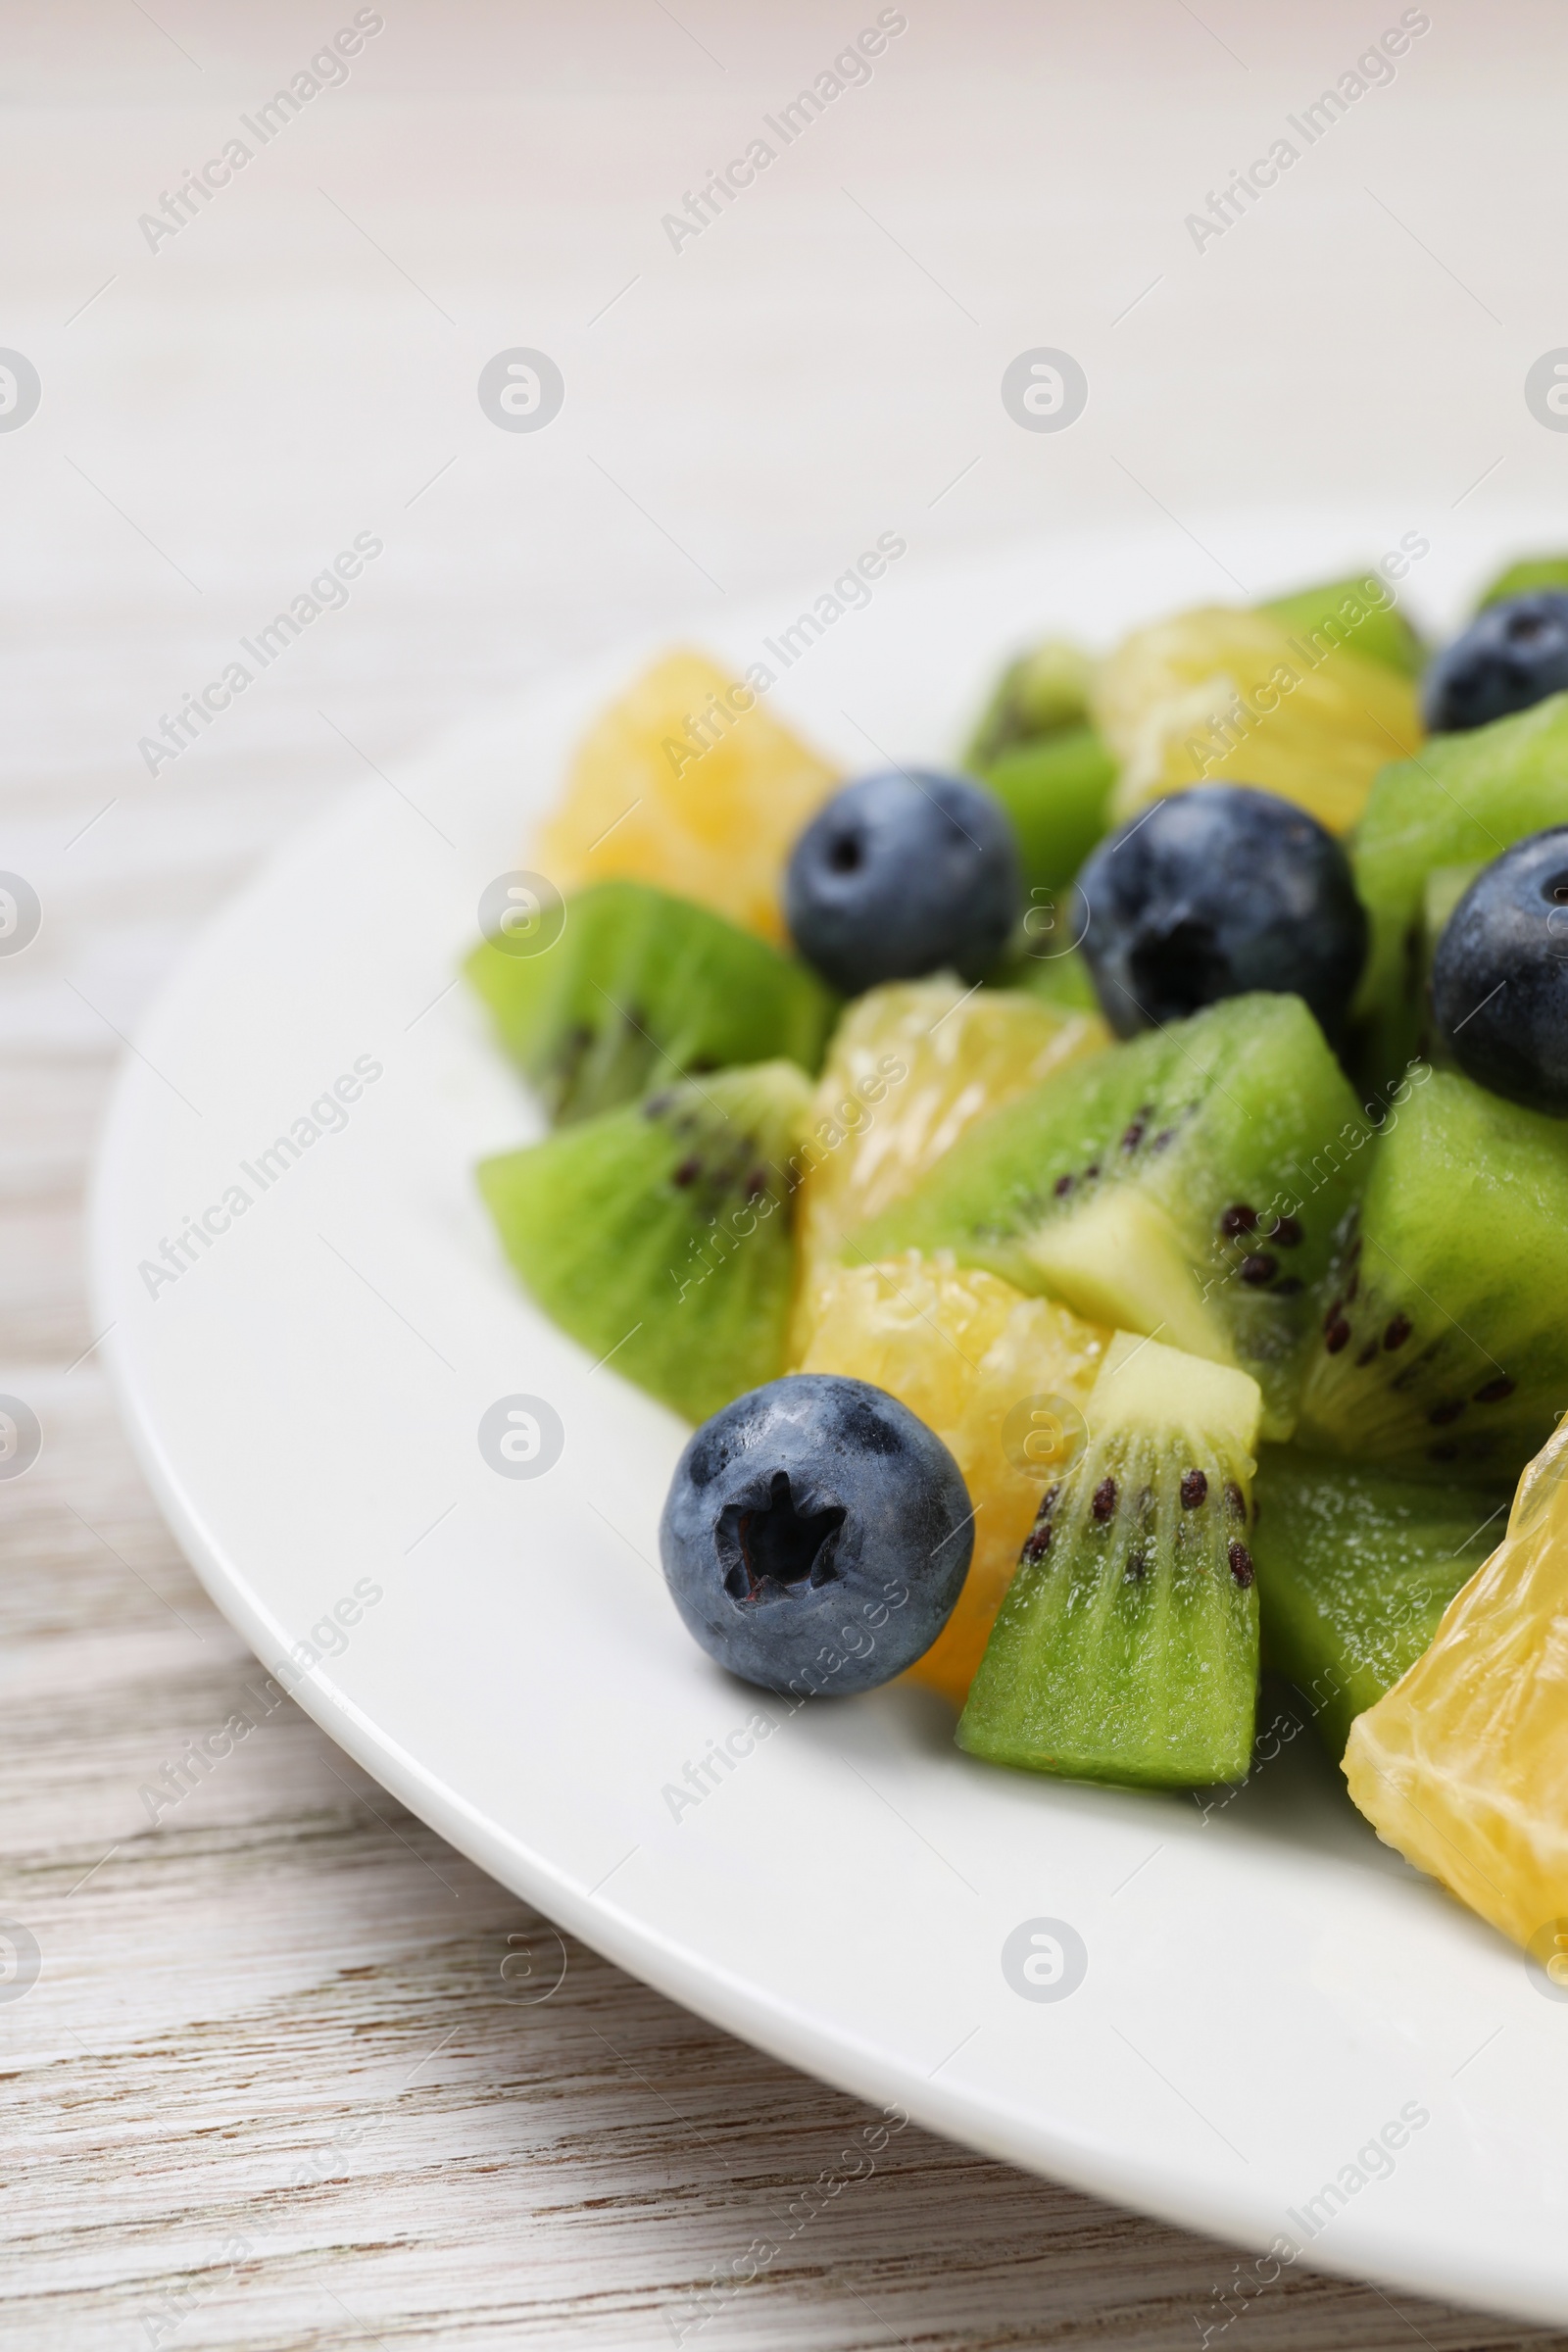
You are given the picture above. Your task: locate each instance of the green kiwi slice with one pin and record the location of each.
(1443, 1338)
(639, 988)
(1046, 764)
(1041, 693)
(1057, 789)
(659, 1235)
(1531, 572)
(1343, 613)
(1356, 1566)
(1127, 1646)
(1056, 976)
(1188, 1185)
(1461, 800)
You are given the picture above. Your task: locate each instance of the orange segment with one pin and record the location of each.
(911, 1066)
(966, 1350)
(688, 782)
(1464, 1765)
(1225, 695)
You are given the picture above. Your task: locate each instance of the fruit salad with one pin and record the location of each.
(1100, 1199)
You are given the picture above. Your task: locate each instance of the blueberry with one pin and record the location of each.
(1512, 655)
(816, 1536)
(1213, 893)
(901, 874)
(1499, 978)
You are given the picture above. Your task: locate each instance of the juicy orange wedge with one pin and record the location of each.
(1464, 1765)
(1225, 695)
(911, 1066)
(687, 781)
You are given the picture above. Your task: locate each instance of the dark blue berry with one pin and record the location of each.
(1512, 655)
(1499, 978)
(901, 874)
(816, 1536)
(1213, 893)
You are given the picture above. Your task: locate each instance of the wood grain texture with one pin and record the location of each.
(273, 2087)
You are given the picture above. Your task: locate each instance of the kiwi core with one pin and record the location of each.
(1120, 1260)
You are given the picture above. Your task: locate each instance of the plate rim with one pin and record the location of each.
(1392, 2253)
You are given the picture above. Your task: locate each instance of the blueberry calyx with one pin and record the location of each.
(773, 1547)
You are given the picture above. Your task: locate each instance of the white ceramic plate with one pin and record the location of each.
(1267, 1989)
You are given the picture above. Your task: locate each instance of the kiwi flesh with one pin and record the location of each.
(1057, 789)
(1127, 1646)
(660, 1234)
(1442, 1339)
(1041, 693)
(1461, 800)
(1356, 1565)
(1531, 572)
(1189, 1185)
(640, 988)
(1051, 770)
(1343, 613)
(1060, 976)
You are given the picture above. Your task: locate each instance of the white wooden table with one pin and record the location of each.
(271, 2087)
